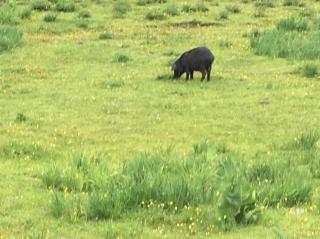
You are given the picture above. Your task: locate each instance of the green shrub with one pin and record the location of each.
(7, 14)
(310, 70)
(84, 14)
(65, 6)
(10, 37)
(26, 13)
(41, 5)
(50, 17)
(155, 15)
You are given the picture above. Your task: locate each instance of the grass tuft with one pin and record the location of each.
(41, 5)
(10, 37)
(65, 6)
(50, 17)
(310, 70)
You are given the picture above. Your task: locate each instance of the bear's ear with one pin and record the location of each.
(173, 67)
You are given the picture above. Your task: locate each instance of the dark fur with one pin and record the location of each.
(197, 59)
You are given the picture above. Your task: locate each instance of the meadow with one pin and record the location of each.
(97, 140)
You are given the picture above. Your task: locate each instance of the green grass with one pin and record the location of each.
(10, 37)
(98, 141)
(8, 14)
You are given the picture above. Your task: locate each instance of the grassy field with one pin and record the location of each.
(96, 140)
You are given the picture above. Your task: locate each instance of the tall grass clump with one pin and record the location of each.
(307, 141)
(187, 8)
(297, 3)
(50, 17)
(265, 3)
(280, 182)
(120, 8)
(65, 6)
(41, 5)
(287, 43)
(7, 14)
(82, 174)
(156, 15)
(26, 13)
(293, 24)
(10, 37)
(310, 70)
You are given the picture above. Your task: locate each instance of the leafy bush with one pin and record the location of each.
(41, 5)
(65, 6)
(10, 37)
(50, 17)
(7, 14)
